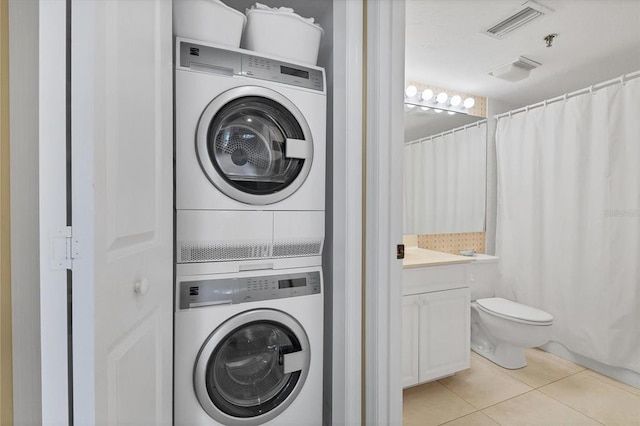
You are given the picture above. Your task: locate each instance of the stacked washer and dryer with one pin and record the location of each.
(250, 191)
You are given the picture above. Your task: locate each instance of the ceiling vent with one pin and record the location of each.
(525, 14)
(515, 70)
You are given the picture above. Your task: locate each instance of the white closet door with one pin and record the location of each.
(122, 188)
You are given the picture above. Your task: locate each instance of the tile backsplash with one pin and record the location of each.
(453, 243)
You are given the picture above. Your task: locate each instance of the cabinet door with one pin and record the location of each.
(410, 336)
(444, 333)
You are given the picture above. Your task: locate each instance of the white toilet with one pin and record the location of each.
(502, 329)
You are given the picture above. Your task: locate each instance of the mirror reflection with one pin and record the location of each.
(445, 172)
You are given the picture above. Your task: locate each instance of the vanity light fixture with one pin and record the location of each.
(427, 95)
(442, 97)
(426, 99)
(469, 103)
(411, 91)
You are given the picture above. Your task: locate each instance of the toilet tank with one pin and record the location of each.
(483, 276)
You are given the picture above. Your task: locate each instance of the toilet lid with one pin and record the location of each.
(507, 308)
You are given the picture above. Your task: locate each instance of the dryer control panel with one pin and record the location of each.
(214, 60)
(195, 294)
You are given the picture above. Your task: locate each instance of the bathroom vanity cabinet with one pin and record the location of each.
(436, 321)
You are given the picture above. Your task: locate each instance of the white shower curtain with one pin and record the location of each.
(568, 226)
(445, 182)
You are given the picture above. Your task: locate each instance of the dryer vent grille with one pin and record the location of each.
(297, 248)
(192, 252)
(212, 252)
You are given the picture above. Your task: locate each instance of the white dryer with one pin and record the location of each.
(248, 348)
(250, 159)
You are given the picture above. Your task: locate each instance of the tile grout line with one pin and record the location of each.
(572, 408)
(508, 399)
(562, 378)
(533, 388)
(465, 415)
(575, 409)
(537, 388)
(610, 384)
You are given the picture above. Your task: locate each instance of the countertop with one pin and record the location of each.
(415, 257)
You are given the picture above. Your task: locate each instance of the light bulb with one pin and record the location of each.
(424, 108)
(456, 100)
(442, 97)
(411, 91)
(469, 103)
(437, 111)
(427, 95)
(410, 106)
(451, 112)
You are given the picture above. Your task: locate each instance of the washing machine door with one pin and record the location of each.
(252, 367)
(254, 145)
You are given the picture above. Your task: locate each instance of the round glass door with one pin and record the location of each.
(252, 367)
(254, 145)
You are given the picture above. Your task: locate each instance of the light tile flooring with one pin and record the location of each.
(549, 391)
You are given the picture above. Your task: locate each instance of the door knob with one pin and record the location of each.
(141, 287)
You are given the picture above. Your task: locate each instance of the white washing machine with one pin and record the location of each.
(248, 348)
(250, 159)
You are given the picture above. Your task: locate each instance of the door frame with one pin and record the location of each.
(384, 162)
(366, 277)
(343, 381)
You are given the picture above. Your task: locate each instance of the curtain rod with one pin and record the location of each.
(620, 80)
(439, 135)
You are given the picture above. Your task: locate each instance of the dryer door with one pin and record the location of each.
(254, 145)
(252, 367)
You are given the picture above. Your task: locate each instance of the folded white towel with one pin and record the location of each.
(260, 6)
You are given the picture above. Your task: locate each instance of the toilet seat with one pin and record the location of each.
(514, 311)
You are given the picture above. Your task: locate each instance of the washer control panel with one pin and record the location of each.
(249, 64)
(195, 294)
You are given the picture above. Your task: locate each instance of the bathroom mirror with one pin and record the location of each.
(445, 172)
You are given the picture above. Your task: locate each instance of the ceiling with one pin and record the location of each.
(597, 40)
